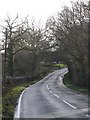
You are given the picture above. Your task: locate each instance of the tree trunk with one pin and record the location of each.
(5, 56)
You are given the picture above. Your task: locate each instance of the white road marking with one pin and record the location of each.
(47, 87)
(60, 78)
(19, 105)
(50, 91)
(88, 115)
(69, 104)
(56, 95)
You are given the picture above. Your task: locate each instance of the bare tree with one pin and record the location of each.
(13, 41)
(70, 33)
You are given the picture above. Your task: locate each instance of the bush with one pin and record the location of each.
(70, 84)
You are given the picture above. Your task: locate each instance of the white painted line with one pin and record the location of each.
(27, 88)
(56, 95)
(50, 91)
(69, 104)
(19, 105)
(47, 87)
(60, 78)
(88, 115)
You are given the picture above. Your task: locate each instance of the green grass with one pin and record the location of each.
(0, 104)
(10, 99)
(9, 102)
(72, 86)
(60, 65)
(0, 107)
(76, 88)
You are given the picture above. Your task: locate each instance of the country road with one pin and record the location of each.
(49, 98)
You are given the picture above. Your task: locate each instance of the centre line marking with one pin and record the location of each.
(50, 91)
(56, 95)
(69, 104)
(47, 87)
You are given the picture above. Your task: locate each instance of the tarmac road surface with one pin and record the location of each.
(49, 98)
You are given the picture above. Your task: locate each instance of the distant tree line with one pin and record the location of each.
(64, 38)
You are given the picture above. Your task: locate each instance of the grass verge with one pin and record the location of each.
(10, 100)
(68, 83)
(0, 108)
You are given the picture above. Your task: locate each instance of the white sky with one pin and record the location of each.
(39, 9)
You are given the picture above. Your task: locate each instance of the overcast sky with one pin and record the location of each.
(39, 9)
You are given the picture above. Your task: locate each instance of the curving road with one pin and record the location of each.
(49, 98)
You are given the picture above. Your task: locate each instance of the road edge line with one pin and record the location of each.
(19, 105)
